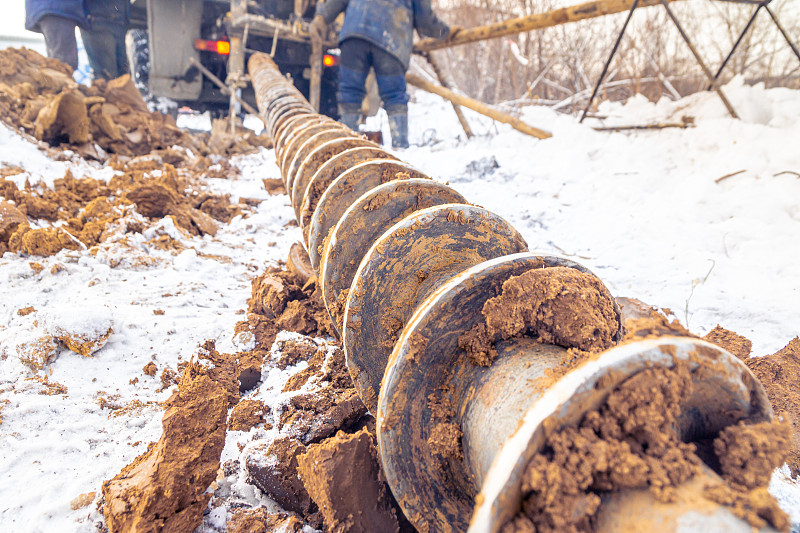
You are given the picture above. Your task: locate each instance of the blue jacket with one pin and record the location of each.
(388, 24)
(36, 9)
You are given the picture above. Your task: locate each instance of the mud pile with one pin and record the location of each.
(730, 341)
(39, 97)
(780, 375)
(631, 442)
(323, 420)
(324, 464)
(86, 212)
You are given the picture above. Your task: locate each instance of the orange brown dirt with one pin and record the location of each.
(730, 341)
(274, 471)
(91, 217)
(39, 97)
(558, 305)
(150, 369)
(292, 351)
(779, 374)
(631, 442)
(84, 345)
(758, 507)
(260, 520)
(749, 453)
(164, 488)
(37, 353)
(280, 295)
(445, 438)
(344, 478)
(247, 414)
(317, 415)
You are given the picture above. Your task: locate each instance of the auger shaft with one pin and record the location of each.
(406, 266)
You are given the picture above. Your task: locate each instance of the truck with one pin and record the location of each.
(172, 43)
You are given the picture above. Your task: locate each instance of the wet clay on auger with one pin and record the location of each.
(559, 305)
(630, 442)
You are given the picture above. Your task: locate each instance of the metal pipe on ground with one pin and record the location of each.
(407, 267)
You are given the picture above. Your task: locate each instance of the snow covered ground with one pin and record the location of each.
(645, 210)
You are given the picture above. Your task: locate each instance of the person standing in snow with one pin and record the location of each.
(56, 19)
(377, 34)
(104, 38)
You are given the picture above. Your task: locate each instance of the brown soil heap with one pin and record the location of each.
(779, 373)
(317, 415)
(289, 303)
(730, 341)
(164, 489)
(559, 305)
(91, 216)
(38, 96)
(344, 477)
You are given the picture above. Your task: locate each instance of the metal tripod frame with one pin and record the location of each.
(760, 4)
(713, 78)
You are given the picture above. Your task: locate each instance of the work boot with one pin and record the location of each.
(350, 115)
(398, 126)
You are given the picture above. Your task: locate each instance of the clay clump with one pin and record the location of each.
(344, 478)
(749, 453)
(274, 471)
(558, 305)
(630, 442)
(247, 414)
(154, 492)
(259, 520)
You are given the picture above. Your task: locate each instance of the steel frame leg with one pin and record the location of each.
(699, 60)
(738, 42)
(608, 62)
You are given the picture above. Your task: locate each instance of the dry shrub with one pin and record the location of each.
(560, 65)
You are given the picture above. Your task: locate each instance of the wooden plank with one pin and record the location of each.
(538, 21)
(478, 107)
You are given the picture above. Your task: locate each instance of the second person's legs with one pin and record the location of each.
(354, 64)
(391, 77)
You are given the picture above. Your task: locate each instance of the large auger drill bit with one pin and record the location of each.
(406, 266)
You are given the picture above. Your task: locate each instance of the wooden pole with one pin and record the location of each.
(588, 10)
(437, 69)
(478, 107)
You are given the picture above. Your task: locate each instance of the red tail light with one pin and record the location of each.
(219, 47)
(329, 60)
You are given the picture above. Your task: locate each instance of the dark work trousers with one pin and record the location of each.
(59, 38)
(357, 56)
(105, 46)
